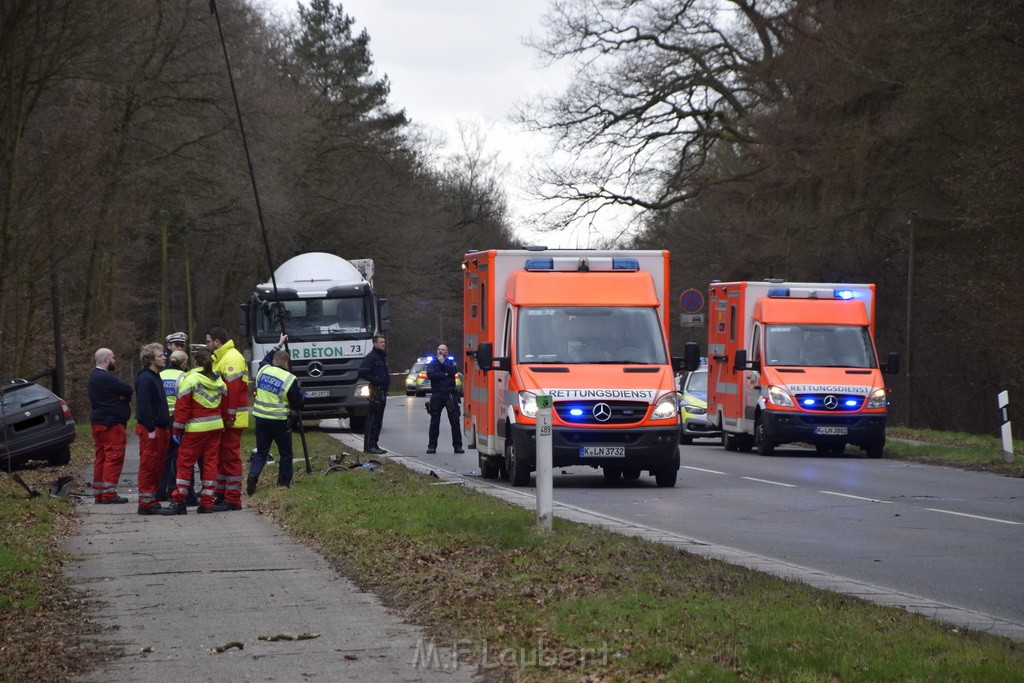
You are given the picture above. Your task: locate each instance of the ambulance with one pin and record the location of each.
(588, 328)
(796, 362)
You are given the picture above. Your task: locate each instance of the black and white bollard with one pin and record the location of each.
(544, 463)
(1004, 416)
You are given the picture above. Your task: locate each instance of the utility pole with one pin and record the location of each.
(910, 317)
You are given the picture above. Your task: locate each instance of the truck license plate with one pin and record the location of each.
(602, 451)
(318, 393)
(830, 431)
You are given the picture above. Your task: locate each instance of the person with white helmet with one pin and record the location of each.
(175, 341)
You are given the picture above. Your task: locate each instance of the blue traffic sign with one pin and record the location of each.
(691, 301)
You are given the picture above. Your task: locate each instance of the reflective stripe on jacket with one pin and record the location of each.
(272, 384)
(200, 406)
(171, 377)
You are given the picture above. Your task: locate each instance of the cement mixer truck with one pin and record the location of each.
(330, 311)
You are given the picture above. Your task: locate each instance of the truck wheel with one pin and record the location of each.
(764, 445)
(685, 440)
(875, 449)
(518, 473)
(611, 473)
(357, 423)
(729, 442)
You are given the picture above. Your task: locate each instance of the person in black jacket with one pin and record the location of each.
(374, 369)
(110, 408)
(444, 395)
(152, 426)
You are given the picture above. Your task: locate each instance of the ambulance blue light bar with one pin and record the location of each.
(582, 264)
(811, 293)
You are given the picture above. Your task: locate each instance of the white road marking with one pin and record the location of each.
(964, 514)
(701, 469)
(849, 495)
(769, 481)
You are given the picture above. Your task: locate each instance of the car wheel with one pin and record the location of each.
(357, 423)
(631, 473)
(489, 470)
(518, 473)
(729, 442)
(61, 456)
(611, 473)
(685, 440)
(410, 393)
(875, 449)
(764, 444)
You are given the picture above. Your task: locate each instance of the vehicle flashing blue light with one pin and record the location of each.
(625, 264)
(845, 294)
(808, 401)
(778, 292)
(576, 412)
(852, 403)
(540, 264)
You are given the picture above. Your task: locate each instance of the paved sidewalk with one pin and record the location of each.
(174, 588)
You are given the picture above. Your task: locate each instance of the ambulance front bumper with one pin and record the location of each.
(787, 427)
(640, 447)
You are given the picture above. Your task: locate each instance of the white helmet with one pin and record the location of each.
(177, 338)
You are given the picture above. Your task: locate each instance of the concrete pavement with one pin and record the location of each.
(174, 589)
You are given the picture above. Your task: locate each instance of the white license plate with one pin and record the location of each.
(318, 393)
(830, 431)
(602, 451)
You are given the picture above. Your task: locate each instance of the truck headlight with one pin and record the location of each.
(877, 399)
(528, 403)
(363, 391)
(780, 397)
(666, 408)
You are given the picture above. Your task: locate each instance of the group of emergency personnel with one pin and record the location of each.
(185, 417)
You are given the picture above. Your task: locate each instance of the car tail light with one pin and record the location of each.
(66, 408)
(422, 375)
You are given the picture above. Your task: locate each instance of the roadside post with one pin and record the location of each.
(1004, 415)
(544, 462)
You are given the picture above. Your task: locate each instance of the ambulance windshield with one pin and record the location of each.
(590, 334)
(837, 346)
(314, 319)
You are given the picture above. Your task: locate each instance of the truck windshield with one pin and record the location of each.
(837, 346)
(590, 334)
(313, 319)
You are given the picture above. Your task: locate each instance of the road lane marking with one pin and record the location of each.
(769, 481)
(850, 495)
(701, 469)
(964, 514)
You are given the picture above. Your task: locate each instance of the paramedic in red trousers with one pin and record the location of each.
(277, 392)
(374, 369)
(171, 377)
(198, 424)
(444, 396)
(109, 401)
(233, 370)
(152, 426)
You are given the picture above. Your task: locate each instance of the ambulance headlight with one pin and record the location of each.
(363, 391)
(780, 397)
(528, 403)
(877, 399)
(666, 408)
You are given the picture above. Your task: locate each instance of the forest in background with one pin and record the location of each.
(815, 140)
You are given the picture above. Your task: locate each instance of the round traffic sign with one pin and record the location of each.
(691, 301)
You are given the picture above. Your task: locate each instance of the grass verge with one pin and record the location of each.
(583, 604)
(44, 619)
(954, 449)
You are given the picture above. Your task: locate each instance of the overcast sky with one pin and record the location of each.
(462, 61)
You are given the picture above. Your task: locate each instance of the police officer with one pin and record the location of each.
(374, 369)
(444, 395)
(277, 391)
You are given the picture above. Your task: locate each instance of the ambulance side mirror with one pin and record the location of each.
(741, 363)
(893, 366)
(486, 361)
(690, 360)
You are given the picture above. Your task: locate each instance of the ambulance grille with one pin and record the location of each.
(589, 412)
(833, 403)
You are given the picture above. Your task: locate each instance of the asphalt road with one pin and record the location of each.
(943, 534)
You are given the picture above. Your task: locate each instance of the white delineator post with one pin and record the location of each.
(1004, 414)
(544, 462)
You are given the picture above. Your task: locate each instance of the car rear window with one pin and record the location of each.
(19, 397)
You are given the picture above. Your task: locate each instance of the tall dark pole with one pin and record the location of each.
(256, 196)
(910, 317)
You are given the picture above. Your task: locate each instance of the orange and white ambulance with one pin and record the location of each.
(590, 329)
(796, 362)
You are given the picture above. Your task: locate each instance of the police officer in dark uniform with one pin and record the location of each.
(444, 395)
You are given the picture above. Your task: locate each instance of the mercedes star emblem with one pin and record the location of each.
(831, 402)
(602, 412)
(315, 369)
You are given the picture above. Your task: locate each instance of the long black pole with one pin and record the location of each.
(256, 196)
